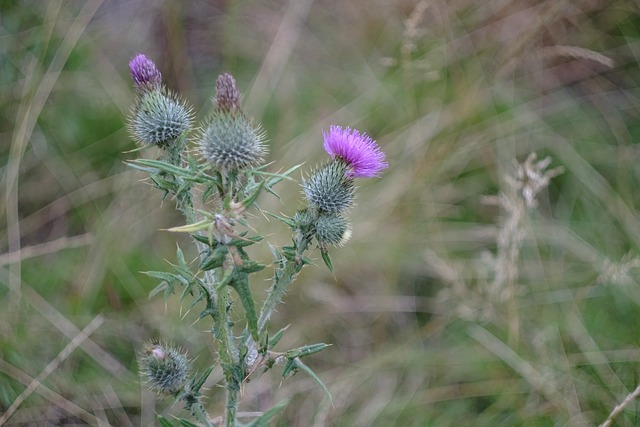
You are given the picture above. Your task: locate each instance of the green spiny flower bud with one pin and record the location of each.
(332, 230)
(329, 189)
(305, 217)
(165, 368)
(229, 141)
(158, 118)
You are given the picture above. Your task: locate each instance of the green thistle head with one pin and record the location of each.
(158, 118)
(329, 189)
(165, 368)
(229, 140)
(332, 230)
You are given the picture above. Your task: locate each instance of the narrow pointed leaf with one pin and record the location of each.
(163, 286)
(253, 197)
(226, 279)
(306, 350)
(249, 267)
(207, 192)
(191, 228)
(245, 241)
(195, 301)
(163, 275)
(164, 422)
(142, 168)
(275, 339)
(271, 191)
(187, 423)
(301, 366)
(286, 220)
(289, 368)
(241, 286)
(163, 185)
(263, 420)
(327, 259)
(215, 260)
(277, 177)
(180, 257)
(186, 291)
(165, 167)
(197, 384)
(205, 239)
(184, 188)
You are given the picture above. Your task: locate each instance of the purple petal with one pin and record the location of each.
(144, 72)
(358, 151)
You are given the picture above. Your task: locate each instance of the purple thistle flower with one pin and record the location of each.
(144, 72)
(361, 153)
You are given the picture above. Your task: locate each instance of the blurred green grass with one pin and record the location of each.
(454, 92)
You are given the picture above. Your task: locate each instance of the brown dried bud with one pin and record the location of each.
(227, 94)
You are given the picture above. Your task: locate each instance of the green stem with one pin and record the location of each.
(231, 404)
(285, 277)
(221, 329)
(200, 414)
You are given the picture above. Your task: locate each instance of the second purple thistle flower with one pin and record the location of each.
(144, 72)
(361, 153)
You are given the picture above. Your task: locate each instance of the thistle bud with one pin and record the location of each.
(227, 95)
(332, 230)
(305, 217)
(165, 368)
(329, 189)
(144, 72)
(158, 118)
(229, 141)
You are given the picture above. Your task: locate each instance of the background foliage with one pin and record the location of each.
(424, 332)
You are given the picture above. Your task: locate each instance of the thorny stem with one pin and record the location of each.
(282, 279)
(221, 329)
(229, 358)
(231, 404)
(200, 414)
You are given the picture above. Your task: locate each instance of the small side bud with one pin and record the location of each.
(305, 217)
(165, 368)
(329, 189)
(332, 230)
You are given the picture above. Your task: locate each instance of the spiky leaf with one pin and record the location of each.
(197, 383)
(326, 259)
(164, 422)
(240, 283)
(263, 420)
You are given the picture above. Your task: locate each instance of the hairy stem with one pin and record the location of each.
(282, 279)
(200, 414)
(221, 330)
(231, 404)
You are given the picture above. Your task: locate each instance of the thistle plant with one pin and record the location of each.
(215, 176)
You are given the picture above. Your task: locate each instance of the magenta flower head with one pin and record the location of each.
(144, 72)
(362, 155)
